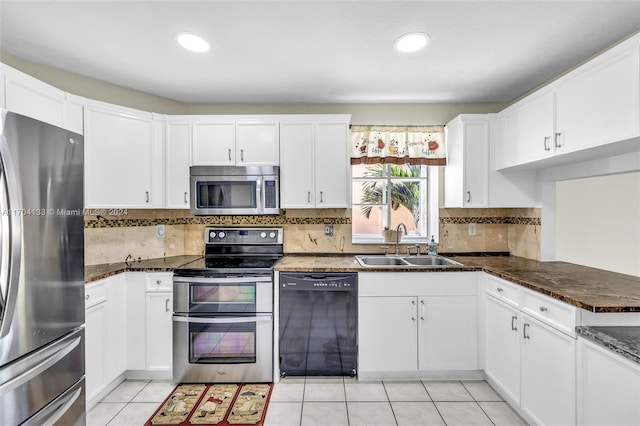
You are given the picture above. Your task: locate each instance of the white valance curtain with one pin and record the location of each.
(398, 145)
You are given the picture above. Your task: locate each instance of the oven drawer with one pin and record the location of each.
(223, 349)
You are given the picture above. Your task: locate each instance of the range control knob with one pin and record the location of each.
(263, 235)
(272, 234)
(212, 235)
(222, 234)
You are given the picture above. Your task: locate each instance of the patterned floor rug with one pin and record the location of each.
(214, 404)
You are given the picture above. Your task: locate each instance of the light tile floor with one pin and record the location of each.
(335, 401)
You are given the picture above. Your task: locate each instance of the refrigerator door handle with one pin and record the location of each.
(44, 361)
(10, 238)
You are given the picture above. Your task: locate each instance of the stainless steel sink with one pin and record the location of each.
(406, 261)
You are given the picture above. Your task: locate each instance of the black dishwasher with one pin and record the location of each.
(318, 324)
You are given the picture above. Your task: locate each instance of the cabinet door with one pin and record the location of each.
(34, 98)
(503, 346)
(214, 143)
(548, 374)
(118, 155)
(387, 334)
(116, 336)
(529, 131)
(296, 165)
(332, 165)
(95, 350)
(257, 144)
(178, 158)
(447, 333)
(599, 104)
(608, 387)
(159, 333)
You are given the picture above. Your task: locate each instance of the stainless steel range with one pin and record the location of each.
(223, 308)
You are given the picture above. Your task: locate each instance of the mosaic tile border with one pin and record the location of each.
(535, 221)
(103, 222)
(216, 220)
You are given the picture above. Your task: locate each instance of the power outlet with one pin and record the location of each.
(472, 228)
(160, 230)
(328, 230)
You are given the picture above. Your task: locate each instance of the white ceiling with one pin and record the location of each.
(317, 51)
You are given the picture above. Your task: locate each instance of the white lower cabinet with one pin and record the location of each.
(608, 387)
(95, 342)
(548, 374)
(159, 307)
(502, 363)
(416, 322)
(530, 357)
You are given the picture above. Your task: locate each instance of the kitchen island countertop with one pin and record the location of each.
(592, 289)
(625, 341)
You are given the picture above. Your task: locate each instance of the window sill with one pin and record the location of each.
(381, 241)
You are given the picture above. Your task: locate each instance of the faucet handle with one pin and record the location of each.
(386, 250)
(417, 249)
(408, 251)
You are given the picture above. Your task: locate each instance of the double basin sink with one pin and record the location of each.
(429, 261)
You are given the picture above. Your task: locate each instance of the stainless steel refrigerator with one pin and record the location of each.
(41, 273)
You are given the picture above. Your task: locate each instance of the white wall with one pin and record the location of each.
(598, 222)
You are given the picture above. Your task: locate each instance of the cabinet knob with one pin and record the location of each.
(86, 297)
(543, 309)
(158, 282)
(500, 289)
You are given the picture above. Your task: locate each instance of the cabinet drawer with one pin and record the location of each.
(159, 281)
(553, 312)
(95, 293)
(503, 290)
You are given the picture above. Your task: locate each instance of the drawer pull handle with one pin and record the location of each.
(147, 196)
(468, 196)
(500, 289)
(242, 155)
(422, 310)
(524, 331)
(166, 305)
(513, 323)
(555, 140)
(546, 146)
(543, 309)
(186, 201)
(229, 154)
(413, 310)
(308, 197)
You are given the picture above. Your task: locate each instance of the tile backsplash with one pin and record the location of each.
(133, 234)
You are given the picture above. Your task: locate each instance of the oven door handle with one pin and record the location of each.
(222, 280)
(222, 320)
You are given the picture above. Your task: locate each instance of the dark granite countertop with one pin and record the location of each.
(98, 272)
(595, 290)
(623, 340)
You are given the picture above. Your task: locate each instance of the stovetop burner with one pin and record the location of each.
(237, 250)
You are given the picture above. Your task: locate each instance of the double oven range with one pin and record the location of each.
(223, 308)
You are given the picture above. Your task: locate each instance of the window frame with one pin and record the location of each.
(431, 198)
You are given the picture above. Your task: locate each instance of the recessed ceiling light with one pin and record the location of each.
(192, 42)
(411, 42)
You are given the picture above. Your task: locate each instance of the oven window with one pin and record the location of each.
(223, 297)
(227, 195)
(222, 343)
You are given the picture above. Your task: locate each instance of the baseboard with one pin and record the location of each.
(422, 375)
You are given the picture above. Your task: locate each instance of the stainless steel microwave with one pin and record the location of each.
(227, 190)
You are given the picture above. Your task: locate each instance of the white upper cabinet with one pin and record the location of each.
(314, 162)
(123, 157)
(2, 97)
(29, 96)
(178, 160)
(257, 143)
(465, 175)
(228, 141)
(600, 102)
(529, 130)
(591, 112)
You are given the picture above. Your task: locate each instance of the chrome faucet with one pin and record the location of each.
(398, 236)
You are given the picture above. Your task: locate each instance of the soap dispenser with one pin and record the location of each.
(433, 247)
